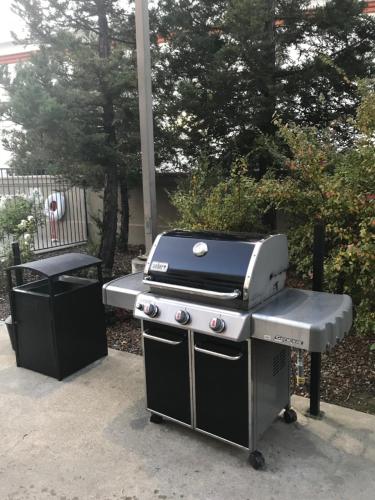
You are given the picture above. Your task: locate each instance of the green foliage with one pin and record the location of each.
(20, 215)
(76, 101)
(229, 65)
(19, 218)
(337, 189)
(14, 213)
(323, 184)
(210, 201)
(59, 96)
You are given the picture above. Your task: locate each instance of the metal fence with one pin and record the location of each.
(56, 208)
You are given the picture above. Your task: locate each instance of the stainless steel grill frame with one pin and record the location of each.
(245, 351)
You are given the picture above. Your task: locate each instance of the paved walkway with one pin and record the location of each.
(89, 438)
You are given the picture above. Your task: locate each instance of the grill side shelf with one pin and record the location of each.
(312, 321)
(122, 292)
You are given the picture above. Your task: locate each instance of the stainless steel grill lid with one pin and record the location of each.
(204, 260)
(244, 269)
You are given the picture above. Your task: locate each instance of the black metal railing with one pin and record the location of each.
(53, 210)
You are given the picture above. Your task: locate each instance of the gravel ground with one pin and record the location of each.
(348, 375)
(348, 372)
(125, 336)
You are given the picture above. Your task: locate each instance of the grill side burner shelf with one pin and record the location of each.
(217, 327)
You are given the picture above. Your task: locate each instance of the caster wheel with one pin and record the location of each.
(290, 416)
(256, 460)
(156, 419)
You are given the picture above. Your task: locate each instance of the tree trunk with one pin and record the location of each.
(124, 228)
(264, 120)
(110, 200)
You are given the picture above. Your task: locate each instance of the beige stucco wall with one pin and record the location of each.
(166, 212)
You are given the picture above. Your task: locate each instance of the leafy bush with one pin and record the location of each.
(335, 188)
(322, 184)
(209, 201)
(14, 210)
(20, 216)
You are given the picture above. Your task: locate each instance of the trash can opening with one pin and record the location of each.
(60, 286)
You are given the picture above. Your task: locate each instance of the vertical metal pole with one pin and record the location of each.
(100, 274)
(318, 279)
(16, 261)
(86, 231)
(318, 256)
(315, 371)
(146, 119)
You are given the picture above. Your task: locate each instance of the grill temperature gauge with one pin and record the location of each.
(217, 325)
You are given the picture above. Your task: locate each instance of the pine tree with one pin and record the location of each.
(75, 102)
(228, 67)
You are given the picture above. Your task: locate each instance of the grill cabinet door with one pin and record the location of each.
(221, 388)
(167, 371)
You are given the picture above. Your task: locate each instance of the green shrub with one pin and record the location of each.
(323, 184)
(336, 188)
(208, 201)
(12, 211)
(19, 218)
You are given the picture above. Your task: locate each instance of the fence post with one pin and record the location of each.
(86, 234)
(17, 260)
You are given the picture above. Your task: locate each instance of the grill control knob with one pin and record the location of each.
(151, 310)
(182, 317)
(217, 325)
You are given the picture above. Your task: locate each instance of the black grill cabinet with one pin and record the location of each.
(58, 320)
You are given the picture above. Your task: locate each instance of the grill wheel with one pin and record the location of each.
(256, 460)
(290, 416)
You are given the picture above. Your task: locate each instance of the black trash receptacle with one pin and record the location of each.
(58, 320)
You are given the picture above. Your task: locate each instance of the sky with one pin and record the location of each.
(8, 21)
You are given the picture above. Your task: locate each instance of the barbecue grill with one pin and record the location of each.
(218, 324)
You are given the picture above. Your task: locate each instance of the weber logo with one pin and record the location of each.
(161, 267)
(288, 340)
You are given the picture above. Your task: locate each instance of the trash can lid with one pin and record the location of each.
(61, 264)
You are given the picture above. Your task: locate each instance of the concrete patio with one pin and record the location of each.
(89, 438)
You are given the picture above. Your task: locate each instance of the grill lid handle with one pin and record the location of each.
(194, 291)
